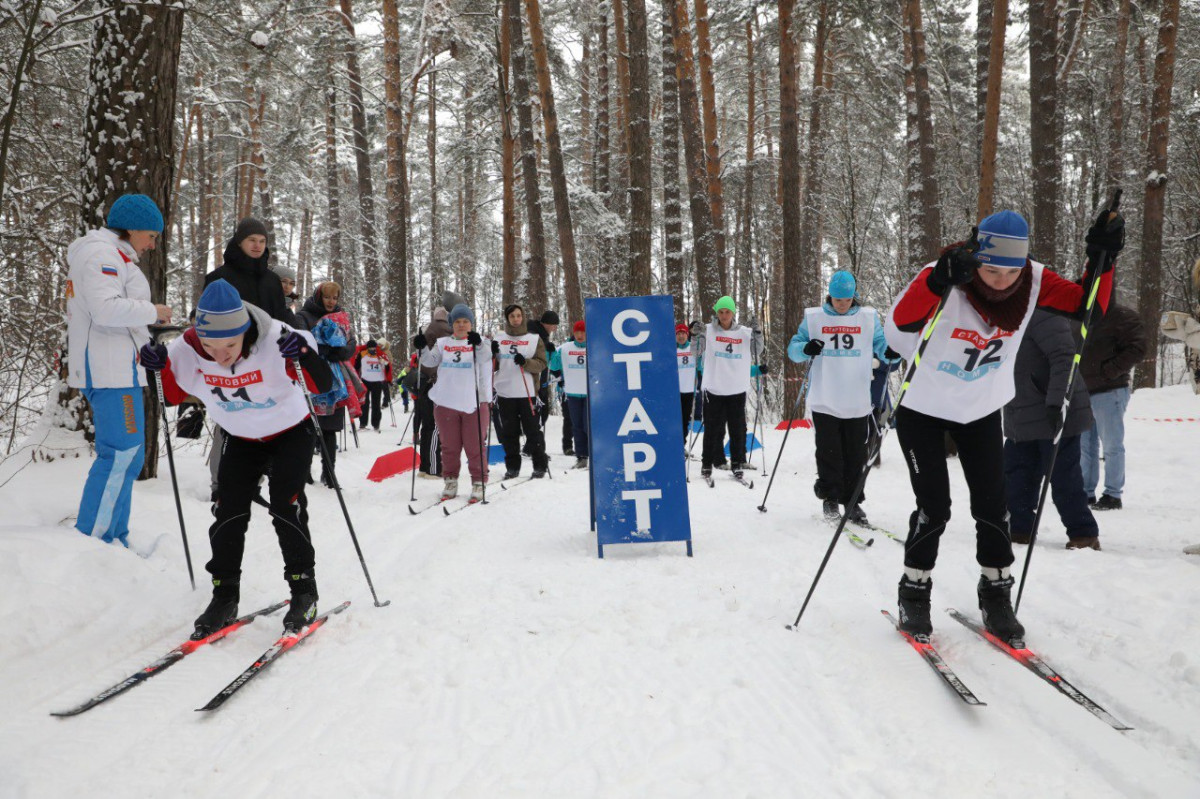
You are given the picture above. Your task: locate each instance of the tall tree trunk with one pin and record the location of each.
(929, 212)
(304, 285)
(332, 188)
(745, 249)
(558, 172)
(983, 61)
(437, 269)
(362, 160)
(396, 243)
(640, 277)
(468, 248)
(203, 211)
(1043, 127)
(129, 134)
(587, 152)
(671, 210)
(712, 148)
(607, 278)
(1150, 284)
(620, 56)
(1115, 164)
(704, 251)
(990, 107)
(218, 201)
(811, 218)
(789, 181)
(508, 165)
(535, 283)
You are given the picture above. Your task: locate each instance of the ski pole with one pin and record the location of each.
(757, 407)
(791, 416)
(406, 424)
(483, 453)
(187, 554)
(391, 403)
(156, 331)
(337, 486)
(416, 443)
(1092, 291)
(862, 480)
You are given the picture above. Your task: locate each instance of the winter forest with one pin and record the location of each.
(545, 151)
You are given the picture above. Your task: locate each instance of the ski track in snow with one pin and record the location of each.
(514, 662)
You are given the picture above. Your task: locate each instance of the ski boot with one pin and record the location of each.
(476, 492)
(538, 474)
(995, 605)
(858, 516)
(303, 607)
(221, 610)
(580, 463)
(510, 474)
(450, 490)
(830, 509)
(914, 606)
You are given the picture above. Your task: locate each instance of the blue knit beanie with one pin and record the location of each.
(221, 312)
(1004, 240)
(135, 212)
(842, 286)
(461, 311)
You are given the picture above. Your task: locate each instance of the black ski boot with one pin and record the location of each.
(221, 610)
(858, 516)
(830, 509)
(999, 618)
(303, 607)
(914, 607)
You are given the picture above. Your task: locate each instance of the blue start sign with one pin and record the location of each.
(639, 488)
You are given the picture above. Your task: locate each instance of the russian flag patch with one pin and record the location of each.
(111, 271)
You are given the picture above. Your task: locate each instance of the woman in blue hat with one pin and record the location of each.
(841, 338)
(238, 361)
(108, 309)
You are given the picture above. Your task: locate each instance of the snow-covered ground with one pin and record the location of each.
(513, 662)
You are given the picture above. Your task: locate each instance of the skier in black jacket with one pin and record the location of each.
(245, 268)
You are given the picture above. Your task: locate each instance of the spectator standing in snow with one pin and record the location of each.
(841, 338)
(461, 398)
(966, 376)
(521, 358)
(376, 372)
(287, 280)
(685, 360)
(239, 362)
(575, 387)
(326, 300)
(108, 309)
(727, 361)
(430, 448)
(1116, 343)
(546, 326)
(1185, 327)
(1031, 420)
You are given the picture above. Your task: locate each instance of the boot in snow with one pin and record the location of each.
(580, 463)
(221, 610)
(830, 509)
(303, 607)
(914, 607)
(858, 516)
(995, 604)
(476, 492)
(450, 490)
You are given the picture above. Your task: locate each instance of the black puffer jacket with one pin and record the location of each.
(255, 283)
(1115, 345)
(1040, 374)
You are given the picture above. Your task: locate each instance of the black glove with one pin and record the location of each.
(495, 347)
(814, 346)
(325, 351)
(1105, 236)
(292, 345)
(419, 341)
(1054, 417)
(956, 267)
(519, 359)
(891, 354)
(763, 369)
(474, 339)
(550, 346)
(153, 356)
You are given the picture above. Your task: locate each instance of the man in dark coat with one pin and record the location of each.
(545, 327)
(430, 444)
(1031, 421)
(245, 268)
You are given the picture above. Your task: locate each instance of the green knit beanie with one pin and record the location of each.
(725, 304)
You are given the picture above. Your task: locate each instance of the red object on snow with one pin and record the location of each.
(795, 423)
(394, 463)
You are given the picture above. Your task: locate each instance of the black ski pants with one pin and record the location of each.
(685, 405)
(287, 457)
(721, 412)
(373, 407)
(516, 416)
(568, 425)
(841, 449)
(430, 451)
(981, 453)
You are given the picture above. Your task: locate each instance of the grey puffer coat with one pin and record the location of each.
(1041, 370)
